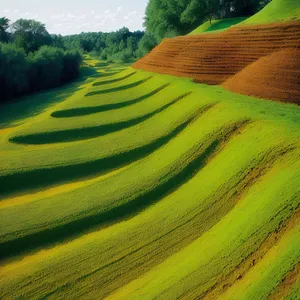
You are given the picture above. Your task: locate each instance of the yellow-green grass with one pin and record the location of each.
(166, 207)
(217, 25)
(276, 11)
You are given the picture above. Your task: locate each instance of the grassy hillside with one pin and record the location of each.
(141, 186)
(276, 11)
(215, 25)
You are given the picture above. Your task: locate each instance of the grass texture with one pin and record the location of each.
(215, 25)
(276, 11)
(141, 186)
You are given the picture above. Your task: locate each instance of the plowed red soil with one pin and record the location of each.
(276, 76)
(215, 57)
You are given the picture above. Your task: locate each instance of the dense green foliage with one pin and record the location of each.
(46, 68)
(30, 35)
(31, 59)
(119, 45)
(167, 18)
(147, 43)
(4, 24)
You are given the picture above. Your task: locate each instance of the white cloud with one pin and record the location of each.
(71, 16)
(57, 17)
(130, 15)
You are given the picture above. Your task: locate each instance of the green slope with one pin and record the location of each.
(217, 25)
(143, 186)
(276, 11)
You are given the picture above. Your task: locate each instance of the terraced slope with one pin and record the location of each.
(143, 186)
(215, 57)
(276, 76)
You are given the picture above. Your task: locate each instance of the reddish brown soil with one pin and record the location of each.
(215, 57)
(276, 76)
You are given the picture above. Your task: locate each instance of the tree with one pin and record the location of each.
(168, 18)
(13, 71)
(122, 45)
(147, 43)
(57, 41)
(194, 14)
(212, 9)
(4, 25)
(163, 18)
(240, 8)
(30, 34)
(48, 64)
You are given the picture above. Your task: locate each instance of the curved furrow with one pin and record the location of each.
(114, 98)
(219, 250)
(42, 177)
(132, 233)
(57, 189)
(85, 133)
(289, 287)
(119, 88)
(103, 82)
(48, 124)
(146, 257)
(107, 74)
(84, 111)
(229, 280)
(173, 174)
(45, 165)
(272, 269)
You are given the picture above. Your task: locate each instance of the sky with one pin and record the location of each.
(70, 17)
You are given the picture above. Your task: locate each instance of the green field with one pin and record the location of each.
(138, 185)
(128, 184)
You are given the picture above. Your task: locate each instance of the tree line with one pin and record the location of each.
(119, 45)
(169, 18)
(32, 60)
